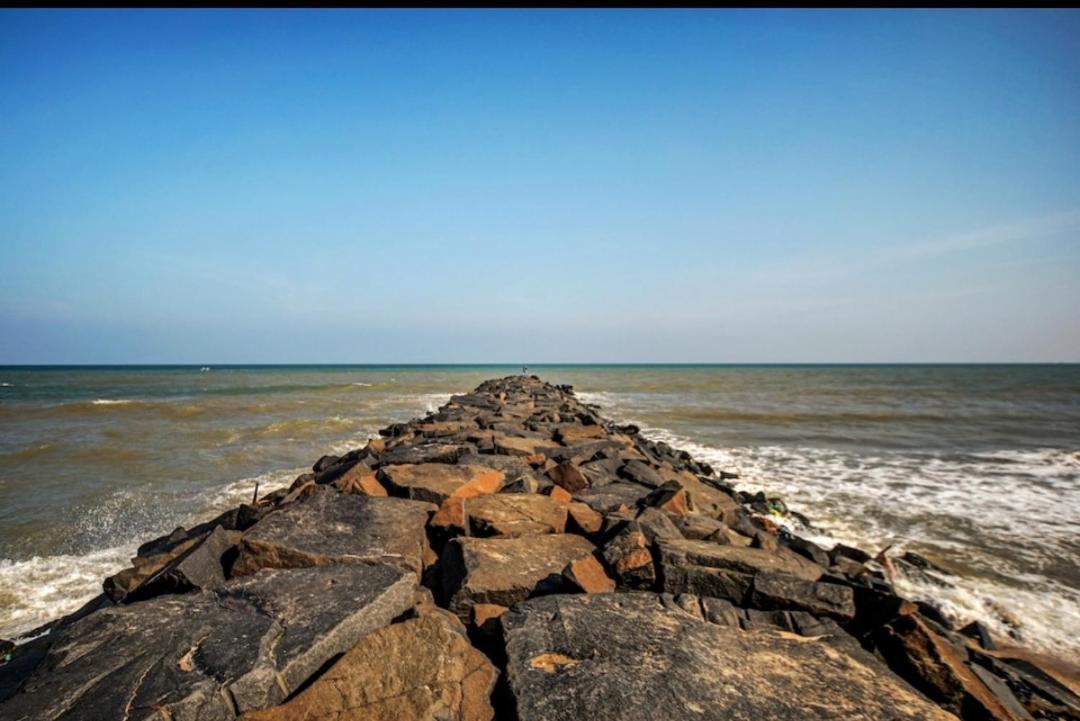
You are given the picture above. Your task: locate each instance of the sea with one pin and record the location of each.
(974, 467)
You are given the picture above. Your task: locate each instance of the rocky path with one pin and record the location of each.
(512, 556)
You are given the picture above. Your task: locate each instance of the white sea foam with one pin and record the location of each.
(362, 385)
(37, 589)
(1021, 499)
(111, 402)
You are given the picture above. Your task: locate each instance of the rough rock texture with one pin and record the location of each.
(435, 482)
(606, 575)
(514, 514)
(330, 527)
(208, 655)
(587, 657)
(416, 670)
(504, 571)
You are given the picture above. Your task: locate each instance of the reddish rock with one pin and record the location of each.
(570, 435)
(331, 527)
(587, 575)
(435, 482)
(360, 480)
(416, 670)
(583, 519)
(926, 661)
(560, 495)
(504, 571)
(629, 558)
(514, 514)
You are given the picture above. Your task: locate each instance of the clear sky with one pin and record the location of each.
(636, 186)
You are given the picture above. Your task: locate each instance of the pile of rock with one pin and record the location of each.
(512, 556)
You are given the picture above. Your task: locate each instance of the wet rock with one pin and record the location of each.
(514, 446)
(930, 664)
(330, 528)
(207, 655)
(504, 571)
(145, 567)
(807, 549)
(583, 657)
(981, 634)
(435, 482)
(416, 670)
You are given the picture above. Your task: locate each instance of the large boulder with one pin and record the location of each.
(504, 571)
(435, 482)
(418, 670)
(205, 656)
(514, 514)
(330, 527)
(629, 657)
(704, 568)
(193, 564)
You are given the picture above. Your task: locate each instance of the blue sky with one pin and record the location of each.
(414, 186)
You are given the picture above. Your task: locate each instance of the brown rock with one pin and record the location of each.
(417, 670)
(560, 495)
(671, 498)
(514, 446)
(583, 519)
(450, 518)
(360, 480)
(514, 514)
(435, 482)
(568, 476)
(931, 665)
(570, 435)
(629, 558)
(587, 575)
(504, 571)
(332, 527)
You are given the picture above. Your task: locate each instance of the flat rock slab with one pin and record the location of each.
(626, 656)
(504, 571)
(726, 571)
(417, 670)
(514, 514)
(330, 527)
(207, 656)
(435, 482)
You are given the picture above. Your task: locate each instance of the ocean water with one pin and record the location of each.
(975, 467)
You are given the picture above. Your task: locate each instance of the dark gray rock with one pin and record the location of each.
(640, 472)
(331, 527)
(210, 655)
(782, 592)
(626, 656)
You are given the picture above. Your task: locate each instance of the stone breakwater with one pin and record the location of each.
(514, 556)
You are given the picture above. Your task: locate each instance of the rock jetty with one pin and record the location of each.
(513, 556)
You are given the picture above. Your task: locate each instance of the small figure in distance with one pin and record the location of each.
(524, 370)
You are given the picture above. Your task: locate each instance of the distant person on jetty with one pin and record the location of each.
(524, 370)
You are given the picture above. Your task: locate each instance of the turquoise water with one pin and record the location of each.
(974, 466)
